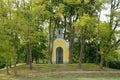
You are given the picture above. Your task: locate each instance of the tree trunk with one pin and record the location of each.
(15, 52)
(81, 50)
(7, 69)
(52, 41)
(30, 56)
(27, 51)
(15, 68)
(107, 65)
(65, 28)
(70, 51)
(10, 65)
(97, 53)
(71, 42)
(49, 43)
(14, 36)
(101, 62)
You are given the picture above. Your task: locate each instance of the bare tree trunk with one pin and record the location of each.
(10, 65)
(28, 38)
(52, 41)
(71, 42)
(30, 56)
(97, 53)
(81, 50)
(107, 65)
(15, 53)
(27, 51)
(7, 69)
(49, 43)
(70, 50)
(82, 42)
(65, 28)
(101, 62)
(15, 68)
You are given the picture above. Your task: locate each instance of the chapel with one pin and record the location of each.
(60, 53)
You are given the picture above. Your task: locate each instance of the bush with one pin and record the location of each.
(2, 65)
(114, 64)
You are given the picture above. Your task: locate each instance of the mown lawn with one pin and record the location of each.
(73, 79)
(61, 72)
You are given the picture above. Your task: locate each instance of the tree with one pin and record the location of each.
(113, 24)
(87, 11)
(85, 26)
(5, 48)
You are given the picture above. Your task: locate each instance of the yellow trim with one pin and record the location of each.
(61, 43)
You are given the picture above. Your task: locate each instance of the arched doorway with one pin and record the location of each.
(59, 55)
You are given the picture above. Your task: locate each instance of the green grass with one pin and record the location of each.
(61, 72)
(52, 79)
(73, 79)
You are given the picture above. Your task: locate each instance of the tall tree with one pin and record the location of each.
(6, 31)
(114, 20)
(87, 11)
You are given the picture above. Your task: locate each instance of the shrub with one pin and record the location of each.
(114, 64)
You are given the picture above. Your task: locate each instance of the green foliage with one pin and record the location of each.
(39, 49)
(85, 22)
(28, 20)
(72, 2)
(114, 64)
(112, 56)
(6, 51)
(104, 32)
(90, 52)
(16, 18)
(76, 52)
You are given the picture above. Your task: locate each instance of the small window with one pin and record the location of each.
(59, 32)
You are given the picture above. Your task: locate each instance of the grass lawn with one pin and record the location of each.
(73, 79)
(61, 72)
